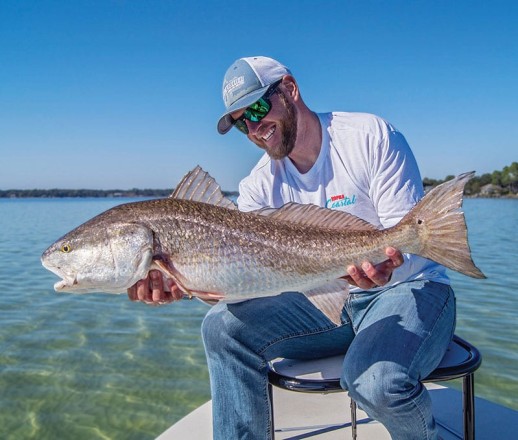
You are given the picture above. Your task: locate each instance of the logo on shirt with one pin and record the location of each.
(340, 200)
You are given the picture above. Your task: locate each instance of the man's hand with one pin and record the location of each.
(369, 275)
(151, 290)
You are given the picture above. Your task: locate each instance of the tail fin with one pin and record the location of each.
(442, 227)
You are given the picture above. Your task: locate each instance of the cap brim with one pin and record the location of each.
(225, 122)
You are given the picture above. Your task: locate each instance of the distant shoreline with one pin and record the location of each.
(497, 185)
(117, 194)
(89, 193)
(481, 196)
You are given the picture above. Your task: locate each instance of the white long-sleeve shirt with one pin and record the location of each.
(365, 167)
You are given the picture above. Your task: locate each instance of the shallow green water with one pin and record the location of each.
(101, 367)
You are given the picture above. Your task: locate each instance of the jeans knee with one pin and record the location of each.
(379, 386)
(219, 329)
(210, 327)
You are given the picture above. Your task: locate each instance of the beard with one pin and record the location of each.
(288, 127)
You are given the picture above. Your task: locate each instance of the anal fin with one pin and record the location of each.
(330, 299)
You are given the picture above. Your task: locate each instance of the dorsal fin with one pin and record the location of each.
(197, 185)
(312, 215)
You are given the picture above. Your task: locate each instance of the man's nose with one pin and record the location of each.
(252, 126)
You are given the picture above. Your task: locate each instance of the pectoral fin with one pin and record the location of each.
(171, 272)
(330, 299)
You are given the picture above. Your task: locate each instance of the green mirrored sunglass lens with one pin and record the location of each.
(241, 126)
(257, 111)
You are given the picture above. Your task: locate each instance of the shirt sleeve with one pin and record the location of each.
(256, 190)
(396, 184)
(249, 198)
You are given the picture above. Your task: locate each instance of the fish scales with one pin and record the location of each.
(216, 248)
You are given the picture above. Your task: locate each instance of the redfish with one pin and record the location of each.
(198, 238)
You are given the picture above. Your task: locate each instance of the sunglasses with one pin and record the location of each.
(257, 111)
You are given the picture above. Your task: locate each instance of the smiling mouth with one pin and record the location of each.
(269, 134)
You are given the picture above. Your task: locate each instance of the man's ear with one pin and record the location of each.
(290, 86)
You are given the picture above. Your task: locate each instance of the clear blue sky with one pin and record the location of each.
(123, 94)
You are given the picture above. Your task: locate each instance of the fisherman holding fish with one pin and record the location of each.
(333, 249)
(400, 314)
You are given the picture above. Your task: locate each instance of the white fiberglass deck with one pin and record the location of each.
(316, 416)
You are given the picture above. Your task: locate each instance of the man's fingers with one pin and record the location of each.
(175, 293)
(370, 275)
(143, 293)
(377, 276)
(157, 286)
(132, 293)
(359, 278)
(151, 290)
(395, 256)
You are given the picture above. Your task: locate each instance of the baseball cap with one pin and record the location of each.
(245, 82)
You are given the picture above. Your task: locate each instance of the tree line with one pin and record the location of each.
(94, 193)
(497, 183)
(502, 183)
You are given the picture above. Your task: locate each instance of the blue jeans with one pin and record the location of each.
(392, 339)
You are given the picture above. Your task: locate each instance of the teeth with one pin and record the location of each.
(269, 134)
(64, 283)
(60, 285)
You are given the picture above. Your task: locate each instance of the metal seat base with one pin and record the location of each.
(323, 376)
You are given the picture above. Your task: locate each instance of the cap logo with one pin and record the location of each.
(233, 84)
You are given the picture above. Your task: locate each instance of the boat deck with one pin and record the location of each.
(327, 417)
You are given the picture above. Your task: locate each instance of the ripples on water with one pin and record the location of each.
(487, 310)
(88, 366)
(100, 367)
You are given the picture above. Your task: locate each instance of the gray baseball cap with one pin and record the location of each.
(245, 82)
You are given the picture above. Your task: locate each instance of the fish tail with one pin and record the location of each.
(442, 227)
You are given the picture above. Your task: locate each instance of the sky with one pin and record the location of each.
(126, 94)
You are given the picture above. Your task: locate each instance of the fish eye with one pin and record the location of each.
(66, 248)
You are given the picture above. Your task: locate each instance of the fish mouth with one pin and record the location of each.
(66, 284)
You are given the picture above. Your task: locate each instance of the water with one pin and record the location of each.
(101, 367)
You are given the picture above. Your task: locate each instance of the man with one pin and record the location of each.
(400, 315)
